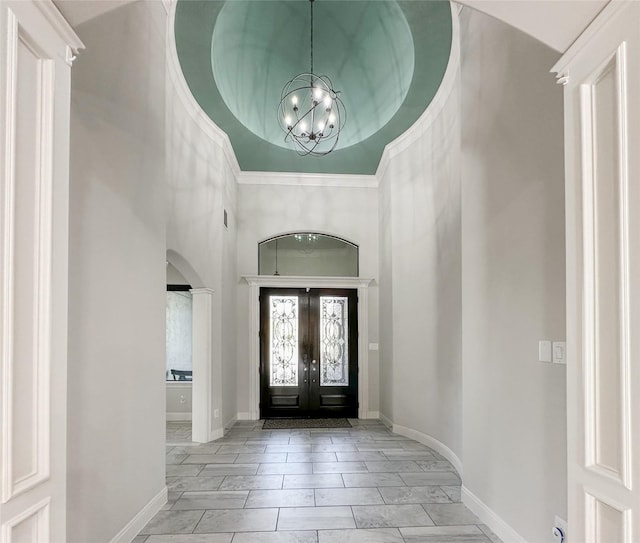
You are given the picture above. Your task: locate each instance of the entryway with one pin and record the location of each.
(308, 352)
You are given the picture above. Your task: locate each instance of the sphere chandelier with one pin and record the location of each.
(311, 112)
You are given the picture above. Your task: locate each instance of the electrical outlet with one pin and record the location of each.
(559, 530)
(216, 413)
(183, 398)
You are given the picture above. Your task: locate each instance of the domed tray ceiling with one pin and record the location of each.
(387, 59)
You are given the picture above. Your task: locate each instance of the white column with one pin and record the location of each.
(206, 422)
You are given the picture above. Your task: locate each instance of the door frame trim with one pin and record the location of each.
(357, 283)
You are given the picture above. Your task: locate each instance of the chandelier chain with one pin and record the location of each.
(311, 2)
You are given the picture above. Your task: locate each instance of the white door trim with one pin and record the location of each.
(257, 281)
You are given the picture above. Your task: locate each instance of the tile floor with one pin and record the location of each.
(358, 485)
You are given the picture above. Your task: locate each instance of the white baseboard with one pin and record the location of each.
(373, 415)
(177, 417)
(141, 519)
(432, 442)
(490, 518)
(385, 420)
(229, 424)
(243, 416)
(216, 434)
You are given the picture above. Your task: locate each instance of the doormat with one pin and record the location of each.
(294, 424)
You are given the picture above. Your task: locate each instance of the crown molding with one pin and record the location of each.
(295, 281)
(560, 68)
(61, 26)
(308, 179)
(424, 122)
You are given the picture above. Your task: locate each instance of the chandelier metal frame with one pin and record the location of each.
(311, 112)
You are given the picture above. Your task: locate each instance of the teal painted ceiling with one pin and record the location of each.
(387, 58)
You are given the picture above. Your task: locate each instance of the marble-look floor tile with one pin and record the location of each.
(210, 459)
(295, 497)
(172, 498)
(197, 448)
(175, 458)
(333, 447)
(348, 496)
(315, 518)
(286, 468)
(443, 534)
(245, 449)
(360, 456)
(276, 537)
(319, 480)
(261, 458)
(374, 535)
(435, 465)
(181, 484)
(251, 482)
(172, 522)
(394, 466)
(454, 492)
(451, 514)
(409, 455)
(372, 479)
(238, 520)
(189, 538)
(282, 448)
(339, 467)
(390, 516)
(413, 494)
(312, 457)
(379, 446)
(229, 469)
(216, 499)
(183, 471)
(429, 478)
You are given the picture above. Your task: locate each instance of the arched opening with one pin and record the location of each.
(305, 254)
(191, 384)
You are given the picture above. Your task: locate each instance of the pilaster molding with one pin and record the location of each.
(202, 290)
(255, 282)
(202, 347)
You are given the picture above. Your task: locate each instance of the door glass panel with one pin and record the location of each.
(334, 355)
(283, 337)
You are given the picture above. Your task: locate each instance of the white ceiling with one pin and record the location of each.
(554, 22)
(77, 12)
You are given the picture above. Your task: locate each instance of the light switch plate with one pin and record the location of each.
(544, 350)
(373, 346)
(559, 349)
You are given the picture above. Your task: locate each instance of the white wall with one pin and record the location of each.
(268, 210)
(116, 272)
(420, 263)
(512, 275)
(179, 400)
(202, 184)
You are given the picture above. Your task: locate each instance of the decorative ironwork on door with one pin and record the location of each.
(284, 340)
(334, 345)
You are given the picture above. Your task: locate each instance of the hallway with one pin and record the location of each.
(363, 484)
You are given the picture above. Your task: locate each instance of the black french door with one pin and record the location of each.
(308, 353)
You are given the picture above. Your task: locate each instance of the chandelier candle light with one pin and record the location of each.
(311, 112)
